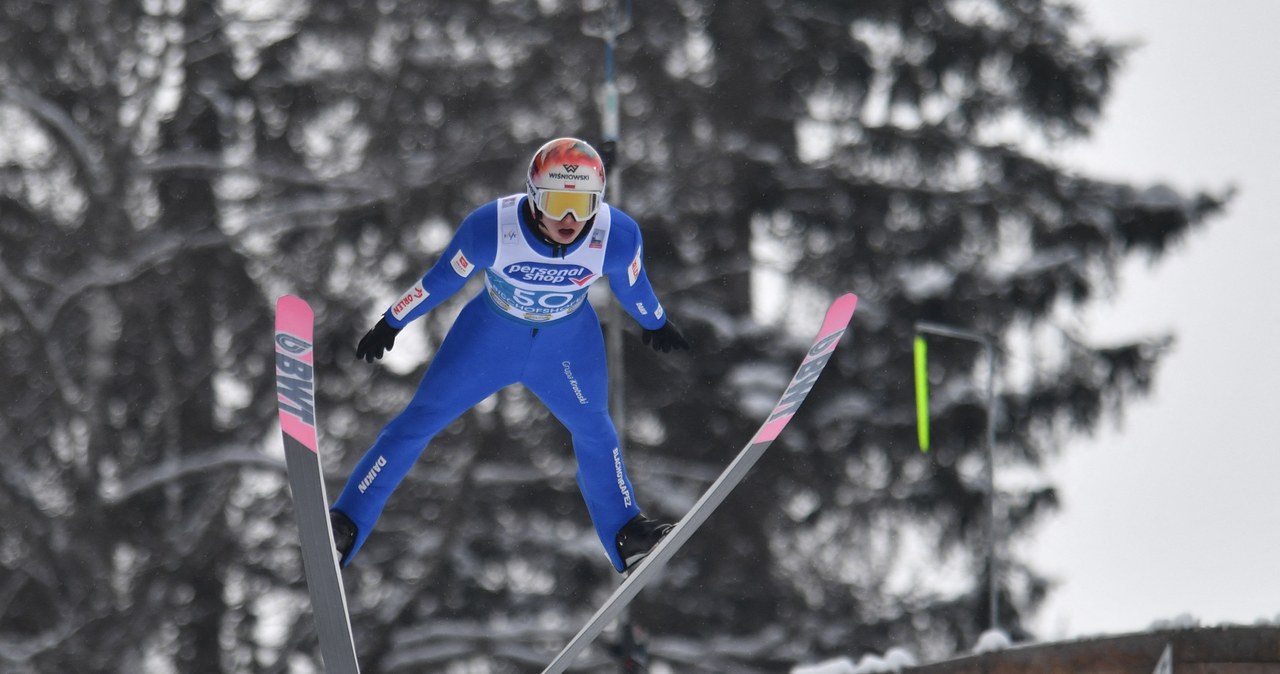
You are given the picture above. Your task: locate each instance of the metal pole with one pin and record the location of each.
(632, 650)
(988, 345)
(614, 21)
(609, 125)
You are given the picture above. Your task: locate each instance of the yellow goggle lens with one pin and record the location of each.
(557, 204)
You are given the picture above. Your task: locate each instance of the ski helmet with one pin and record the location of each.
(566, 175)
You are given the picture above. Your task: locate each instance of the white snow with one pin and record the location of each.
(899, 658)
(894, 660)
(837, 666)
(991, 641)
(758, 386)
(925, 281)
(1183, 621)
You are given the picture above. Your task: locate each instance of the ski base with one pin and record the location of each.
(295, 389)
(833, 327)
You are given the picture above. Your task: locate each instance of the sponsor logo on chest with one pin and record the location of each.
(550, 274)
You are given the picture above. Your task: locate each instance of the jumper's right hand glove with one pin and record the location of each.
(666, 338)
(379, 339)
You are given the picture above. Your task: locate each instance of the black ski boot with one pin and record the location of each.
(344, 533)
(637, 538)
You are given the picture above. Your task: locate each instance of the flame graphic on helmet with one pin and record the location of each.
(567, 157)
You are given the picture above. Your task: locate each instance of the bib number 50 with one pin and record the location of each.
(528, 298)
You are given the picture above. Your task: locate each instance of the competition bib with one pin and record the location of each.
(534, 288)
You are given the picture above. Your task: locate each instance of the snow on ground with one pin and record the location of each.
(894, 660)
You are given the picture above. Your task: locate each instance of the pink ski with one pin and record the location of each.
(295, 393)
(833, 327)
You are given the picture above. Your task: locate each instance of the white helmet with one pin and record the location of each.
(566, 176)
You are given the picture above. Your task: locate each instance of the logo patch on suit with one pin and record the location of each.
(633, 270)
(410, 299)
(549, 273)
(461, 265)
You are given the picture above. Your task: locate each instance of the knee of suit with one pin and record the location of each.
(593, 430)
(413, 426)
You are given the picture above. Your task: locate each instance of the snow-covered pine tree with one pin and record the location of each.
(170, 170)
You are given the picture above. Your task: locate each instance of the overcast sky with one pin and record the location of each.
(1175, 512)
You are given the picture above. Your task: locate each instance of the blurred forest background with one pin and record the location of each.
(169, 167)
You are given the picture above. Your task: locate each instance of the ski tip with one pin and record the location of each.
(292, 304)
(839, 314)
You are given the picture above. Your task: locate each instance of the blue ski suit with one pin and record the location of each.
(532, 324)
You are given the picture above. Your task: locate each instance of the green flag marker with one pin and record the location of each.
(922, 393)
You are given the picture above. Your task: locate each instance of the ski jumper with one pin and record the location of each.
(532, 324)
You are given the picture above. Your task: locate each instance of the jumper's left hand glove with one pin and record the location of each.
(381, 338)
(666, 338)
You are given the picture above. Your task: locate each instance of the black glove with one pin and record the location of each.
(381, 338)
(666, 338)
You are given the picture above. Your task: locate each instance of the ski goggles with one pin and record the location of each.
(556, 204)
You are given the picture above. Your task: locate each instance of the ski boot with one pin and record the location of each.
(344, 533)
(637, 538)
